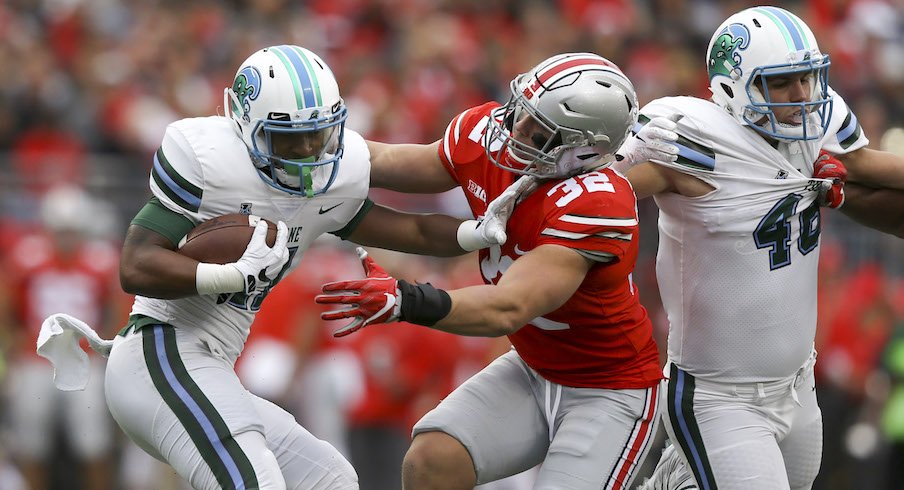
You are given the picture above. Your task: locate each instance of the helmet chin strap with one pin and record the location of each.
(523, 162)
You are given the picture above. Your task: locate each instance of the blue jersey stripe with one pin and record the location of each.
(681, 417)
(696, 157)
(848, 130)
(790, 26)
(187, 196)
(304, 77)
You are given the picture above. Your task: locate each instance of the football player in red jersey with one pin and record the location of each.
(578, 392)
(62, 267)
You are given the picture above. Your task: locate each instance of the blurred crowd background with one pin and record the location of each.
(90, 86)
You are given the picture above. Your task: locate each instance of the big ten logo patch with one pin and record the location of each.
(478, 191)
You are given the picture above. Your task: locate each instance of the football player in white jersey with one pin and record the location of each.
(739, 228)
(282, 152)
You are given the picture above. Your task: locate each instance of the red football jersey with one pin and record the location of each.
(43, 283)
(601, 337)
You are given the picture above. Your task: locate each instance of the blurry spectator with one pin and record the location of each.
(892, 422)
(407, 370)
(62, 270)
(851, 350)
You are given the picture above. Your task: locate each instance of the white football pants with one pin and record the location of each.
(182, 402)
(746, 436)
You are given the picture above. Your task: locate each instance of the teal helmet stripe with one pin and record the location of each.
(799, 28)
(307, 92)
(296, 85)
(788, 26)
(312, 77)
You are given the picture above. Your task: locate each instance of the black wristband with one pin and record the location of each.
(423, 304)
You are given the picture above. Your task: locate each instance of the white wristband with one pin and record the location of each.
(623, 165)
(468, 237)
(217, 278)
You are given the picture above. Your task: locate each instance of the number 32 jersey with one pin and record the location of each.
(737, 267)
(601, 337)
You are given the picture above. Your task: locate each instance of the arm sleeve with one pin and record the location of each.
(157, 217)
(349, 228)
(696, 151)
(176, 176)
(844, 133)
(462, 143)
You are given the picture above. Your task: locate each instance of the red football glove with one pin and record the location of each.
(375, 299)
(829, 167)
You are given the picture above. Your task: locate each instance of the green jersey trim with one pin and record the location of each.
(345, 232)
(157, 217)
(137, 322)
(176, 187)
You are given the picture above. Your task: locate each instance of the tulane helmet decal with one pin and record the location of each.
(247, 87)
(724, 58)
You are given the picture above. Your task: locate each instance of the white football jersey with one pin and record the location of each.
(737, 267)
(203, 170)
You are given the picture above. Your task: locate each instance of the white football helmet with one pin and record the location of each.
(288, 90)
(583, 100)
(67, 208)
(759, 42)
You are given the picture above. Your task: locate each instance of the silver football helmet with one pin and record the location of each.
(585, 105)
(758, 43)
(286, 103)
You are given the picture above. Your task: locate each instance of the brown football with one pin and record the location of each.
(223, 239)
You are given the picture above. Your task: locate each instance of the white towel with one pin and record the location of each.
(58, 342)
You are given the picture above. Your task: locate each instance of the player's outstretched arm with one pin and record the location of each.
(440, 235)
(408, 168)
(874, 168)
(882, 209)
(422, 234)
(537, 283)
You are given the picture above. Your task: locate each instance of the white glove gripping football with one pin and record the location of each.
(489, 230)
(652, 143)
(260, 264)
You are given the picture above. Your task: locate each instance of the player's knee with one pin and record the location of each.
(266, 468)
(437, 460)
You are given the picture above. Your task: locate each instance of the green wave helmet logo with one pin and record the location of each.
(247, 87)
(724, 57)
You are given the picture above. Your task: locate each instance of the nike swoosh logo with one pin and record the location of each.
(518, 250)
(327, 210)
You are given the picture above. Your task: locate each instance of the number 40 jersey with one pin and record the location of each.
(737, 267)
(601, 337)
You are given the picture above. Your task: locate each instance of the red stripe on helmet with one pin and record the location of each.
(567, 64)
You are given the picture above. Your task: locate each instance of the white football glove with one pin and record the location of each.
(574, 160)
(489, 230)
(670, 473)
(652, 143)
(260, 264)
